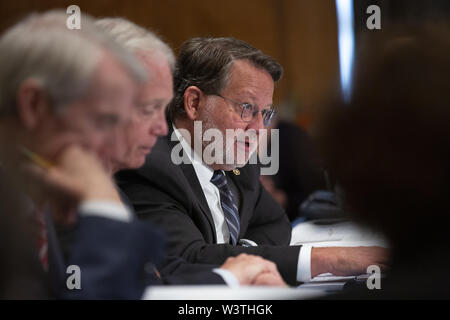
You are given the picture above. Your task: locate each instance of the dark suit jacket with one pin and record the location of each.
(170, 196)
(115, 257)
(117, 260)
(112, 256)
(21, 273)
(175, 270)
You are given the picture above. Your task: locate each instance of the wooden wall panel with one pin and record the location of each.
(301, 34)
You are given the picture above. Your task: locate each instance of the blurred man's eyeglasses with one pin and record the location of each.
(249, 111)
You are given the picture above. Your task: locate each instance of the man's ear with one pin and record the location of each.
(193, 100)
(33, 104)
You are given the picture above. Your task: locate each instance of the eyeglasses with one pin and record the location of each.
(249, 111)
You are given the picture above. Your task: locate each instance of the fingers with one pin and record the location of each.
(247, 267)
(65, 142)
(75, 176)
(258, 262)
(85, 170)
(269, 279)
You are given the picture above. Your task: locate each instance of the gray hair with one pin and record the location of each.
(42, 48)
(206, 64)
(135, 38)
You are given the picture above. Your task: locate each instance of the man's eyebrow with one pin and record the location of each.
(252, 97)
(247, 93)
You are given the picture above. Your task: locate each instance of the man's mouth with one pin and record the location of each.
(246, 144)
(146, 149)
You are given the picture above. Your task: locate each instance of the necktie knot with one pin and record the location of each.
(219, 179)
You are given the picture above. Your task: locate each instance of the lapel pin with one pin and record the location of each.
(236, 172)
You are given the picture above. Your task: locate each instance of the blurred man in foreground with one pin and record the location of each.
(65, 98)
(389, 148)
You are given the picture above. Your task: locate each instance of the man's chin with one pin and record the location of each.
(242, 153)
(137, 163)
(240, 165)
(134, 163)
(228, 166)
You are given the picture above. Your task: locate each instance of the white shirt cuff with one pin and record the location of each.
(227, 276)
(105, 209)
(304, 264)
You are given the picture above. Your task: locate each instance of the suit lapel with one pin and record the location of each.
(191, 177)
(244, 186)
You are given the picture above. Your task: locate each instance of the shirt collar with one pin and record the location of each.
(204, 172)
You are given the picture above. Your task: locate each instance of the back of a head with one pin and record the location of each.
(136, 38)
(390, 146)
(206, 63)
(42, 48)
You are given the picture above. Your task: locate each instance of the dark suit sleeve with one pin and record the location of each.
(112, 256)
(163, 201)
(117, 261)
(177, 271)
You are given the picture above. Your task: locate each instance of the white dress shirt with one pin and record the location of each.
(212, 195)
(211, 192)
(105, 209)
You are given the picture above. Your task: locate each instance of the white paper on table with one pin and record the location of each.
(222, 292)
(339, 233)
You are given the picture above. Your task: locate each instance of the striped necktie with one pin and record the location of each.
(228, 204)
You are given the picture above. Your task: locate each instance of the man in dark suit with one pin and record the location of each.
(210, 209)
(147, 123)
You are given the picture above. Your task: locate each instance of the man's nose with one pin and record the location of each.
(257, 123)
